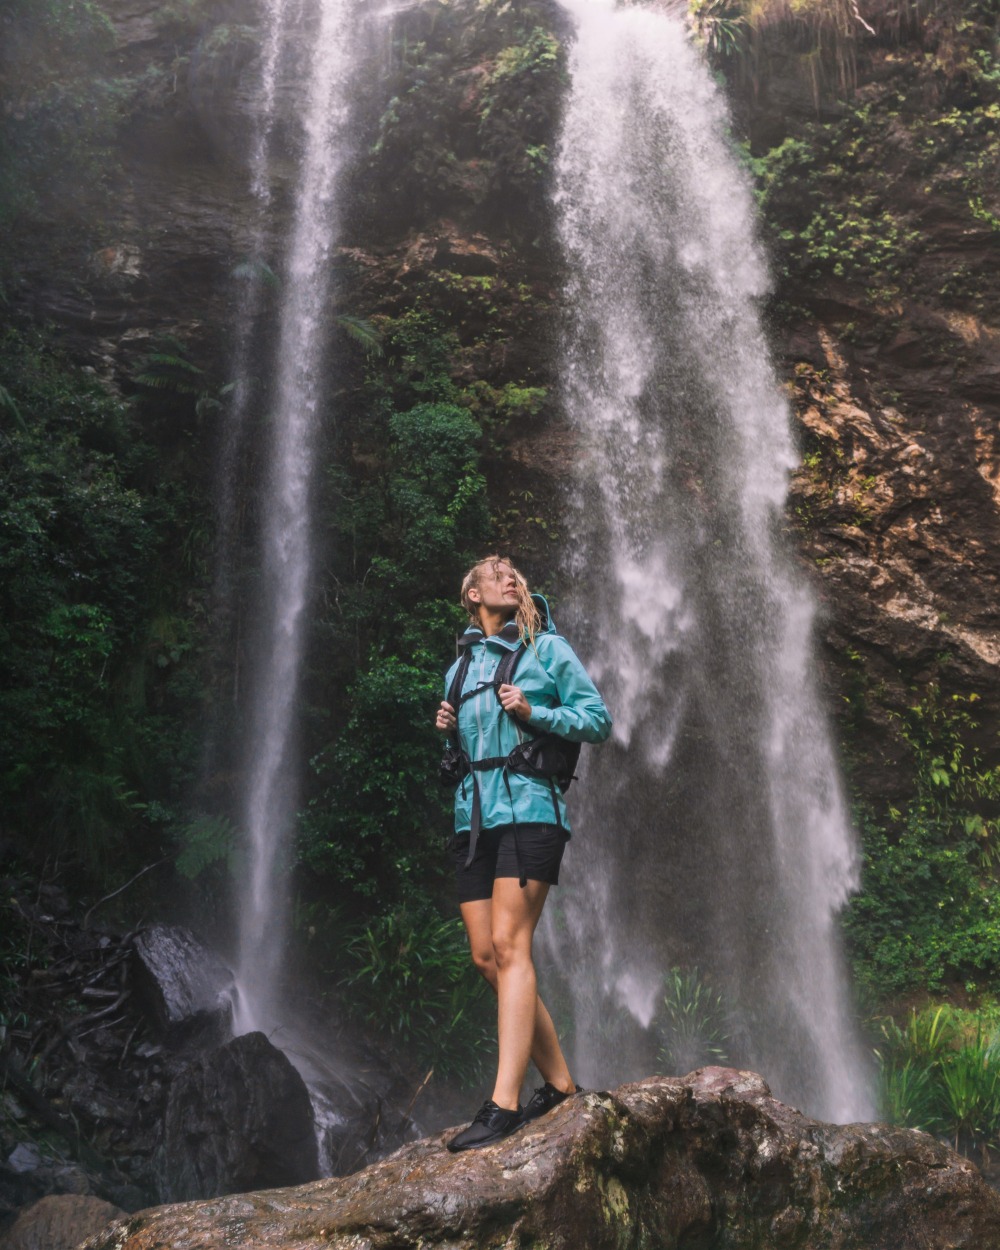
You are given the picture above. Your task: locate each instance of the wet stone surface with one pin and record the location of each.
(710, 1160)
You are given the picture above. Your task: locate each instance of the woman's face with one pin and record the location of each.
(496, 589)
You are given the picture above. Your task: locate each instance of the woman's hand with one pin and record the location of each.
(512, 700)
(446, 719)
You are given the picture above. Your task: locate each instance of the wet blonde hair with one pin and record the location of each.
(527, 616)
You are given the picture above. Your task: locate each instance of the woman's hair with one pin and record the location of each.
(527, 616)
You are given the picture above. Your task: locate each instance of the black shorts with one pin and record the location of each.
(541, 848)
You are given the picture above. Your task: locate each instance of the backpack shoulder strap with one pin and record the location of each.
(458, 681)
(504, 675)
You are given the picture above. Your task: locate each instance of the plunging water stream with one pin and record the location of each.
(712, 834)
(295, 408)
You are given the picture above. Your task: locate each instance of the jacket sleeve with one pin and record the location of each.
(581, 715)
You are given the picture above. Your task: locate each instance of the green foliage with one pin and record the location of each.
(403, 534)
(942, 1074)
(60, 134)
(168, 368)
(520, 97)
(80, 542)
(720, 25)
(362, 332)
(828, 210)
(537, 57)
(417, 348)
(691, 1023)
(412, 980)
(929, 910)
(857, 241)
(255, 272)
(204, 842)
(372, 827)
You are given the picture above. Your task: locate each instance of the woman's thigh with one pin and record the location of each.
(478, 919)
(515, 913)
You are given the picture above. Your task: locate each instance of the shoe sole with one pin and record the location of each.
(480, 1145)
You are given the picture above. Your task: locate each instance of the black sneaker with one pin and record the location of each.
(544, 1099)
(492, 1123)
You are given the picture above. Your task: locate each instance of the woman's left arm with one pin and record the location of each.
(581, 715)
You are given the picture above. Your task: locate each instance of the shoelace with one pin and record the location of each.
(485, 1111)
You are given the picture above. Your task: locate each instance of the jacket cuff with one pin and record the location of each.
(540, 718)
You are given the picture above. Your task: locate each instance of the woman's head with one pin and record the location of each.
(495, 584)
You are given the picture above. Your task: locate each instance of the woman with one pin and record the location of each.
(511, 828)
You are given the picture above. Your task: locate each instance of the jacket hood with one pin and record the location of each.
(510, 635)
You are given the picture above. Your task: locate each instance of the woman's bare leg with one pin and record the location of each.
(545, 1049)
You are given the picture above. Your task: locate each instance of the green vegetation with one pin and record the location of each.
(411, 979)
(829, 211)
(61, 132)
(941, 1073)
(928, 916)
(720, 25)
(928, 921)
(838, 195)
(403, 532)
(690, 1024)
(91, 689)
(518, 104)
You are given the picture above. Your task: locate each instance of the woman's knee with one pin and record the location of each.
(485, 962)
(511, 949)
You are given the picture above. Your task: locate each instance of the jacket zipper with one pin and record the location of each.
(481, 753)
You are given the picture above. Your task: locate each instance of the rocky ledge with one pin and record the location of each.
(707, 1161)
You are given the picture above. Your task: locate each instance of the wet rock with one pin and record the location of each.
(59, 1222)
(181, 982)
(710, 1160)
(238, 1118)
(135, 22)
(25, 1157)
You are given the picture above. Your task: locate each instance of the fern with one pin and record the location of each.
(167, 368)
(254, 270)
(205, 841)
(9, 406)
(362, 332)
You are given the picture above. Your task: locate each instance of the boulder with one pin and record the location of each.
(180, 982)
(238, 1117)
(59, 1222)
(707, 1161)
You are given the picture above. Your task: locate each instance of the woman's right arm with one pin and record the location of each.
(581, 714)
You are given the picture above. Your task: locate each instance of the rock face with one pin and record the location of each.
(238, 1117)
(182, 982)
(59, 1222)
(710, 1160)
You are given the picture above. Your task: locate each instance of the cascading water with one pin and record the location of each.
(713, 834)
(294, 411)
(246, 380)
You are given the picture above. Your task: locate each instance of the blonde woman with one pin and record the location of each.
(511, 825)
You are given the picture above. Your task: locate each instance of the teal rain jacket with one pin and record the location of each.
(563, 701)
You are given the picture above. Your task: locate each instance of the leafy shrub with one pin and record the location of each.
(60, 135)
(929, 910)
(82, 536)
(412, 980)
(691, 1023)
(942, 1074)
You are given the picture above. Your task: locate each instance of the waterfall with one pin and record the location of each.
(295, 406)
(712, 833)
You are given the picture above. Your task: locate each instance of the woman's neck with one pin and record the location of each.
(493, 622)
